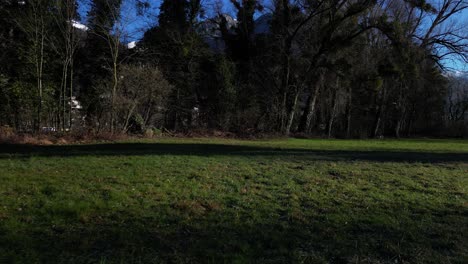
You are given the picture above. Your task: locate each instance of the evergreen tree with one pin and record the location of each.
(176, 46)
(96, 57)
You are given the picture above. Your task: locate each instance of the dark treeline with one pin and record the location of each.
(336, 68)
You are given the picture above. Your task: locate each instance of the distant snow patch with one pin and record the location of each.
(132, 45)
(456, 74)
(78, 25)
(460, 73)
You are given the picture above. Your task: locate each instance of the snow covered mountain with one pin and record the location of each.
(456, 74)
(460, 74)
(262, 24)
(211, 31)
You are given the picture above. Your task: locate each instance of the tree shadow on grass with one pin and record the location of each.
(219, 237)
(139, 149)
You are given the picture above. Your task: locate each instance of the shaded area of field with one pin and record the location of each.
(137, 149)
(203, 202)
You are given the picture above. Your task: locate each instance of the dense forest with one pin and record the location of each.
(333, 68)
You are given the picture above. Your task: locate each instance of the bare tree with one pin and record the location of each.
(33, 22)
(330, 17)
(115, 38)
(457, 99)
(445, 37)
(66, 46)
(142, 93)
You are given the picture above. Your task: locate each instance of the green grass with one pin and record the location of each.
(231, 201)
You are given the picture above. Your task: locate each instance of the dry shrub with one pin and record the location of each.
(89, 136)
(12, 139)
(149, 133)
(210, 133)
(6, 131)
(202, 133)
(42, 139)
(44, 142)
(61, 141)
(59, 138)
(80, 136)
(8, 136)
(106, 136)
(223, 134)
(28, 140)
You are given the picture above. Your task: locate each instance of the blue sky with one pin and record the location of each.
(460, 65)
(226, 6)
(138, 24)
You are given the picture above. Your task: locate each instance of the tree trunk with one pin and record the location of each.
(333, 108)
(409, 126)
(70, 113)
(114, 92)
(40, 68)
(380, 111)
(64, 103)
(349, 112)
(286, 65)
(400, 121)
(63, 92)
(176, 112)
(292, 114)
(148, 113)
(284, 88)
(401, 109)
(312, 103)
(127, 120)
(397, 128)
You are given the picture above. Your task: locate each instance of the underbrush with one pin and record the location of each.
(59, 138)
(9, 136)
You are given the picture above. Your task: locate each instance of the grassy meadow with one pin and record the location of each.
(233, 201)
